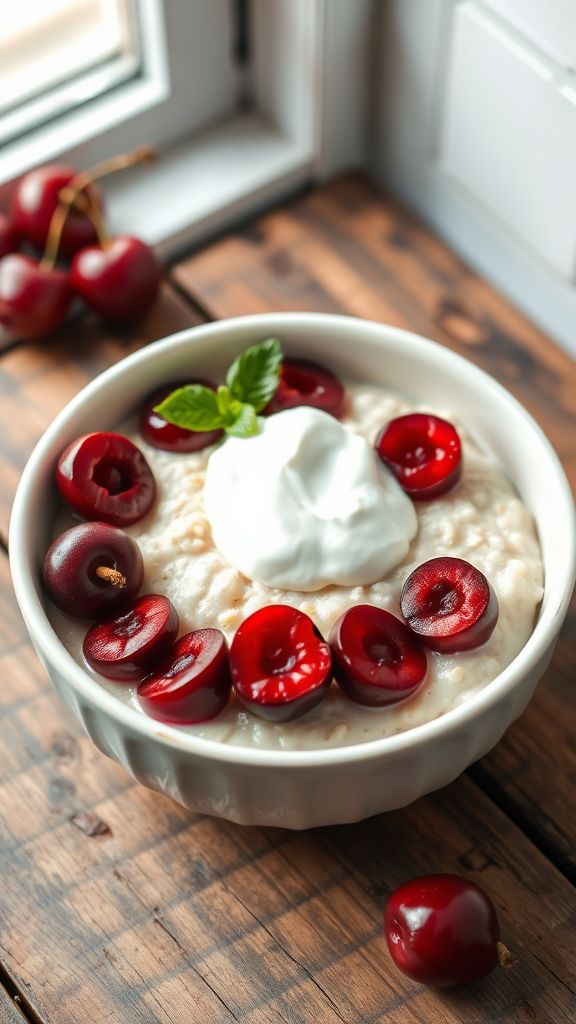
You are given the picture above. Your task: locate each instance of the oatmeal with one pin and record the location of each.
(481, 520)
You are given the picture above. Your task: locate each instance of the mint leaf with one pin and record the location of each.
(230, 408)
(254, 375)
(250, 384)
(193, 407)
(245, 424)
(224, 400)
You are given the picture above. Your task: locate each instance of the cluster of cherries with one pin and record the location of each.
(278, 663)
(441, 929)
(57, 211)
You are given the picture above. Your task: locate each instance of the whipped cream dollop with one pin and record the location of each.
(306, 503)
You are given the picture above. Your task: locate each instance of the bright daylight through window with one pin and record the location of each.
(57, 54)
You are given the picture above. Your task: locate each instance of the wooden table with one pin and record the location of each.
(118, 906)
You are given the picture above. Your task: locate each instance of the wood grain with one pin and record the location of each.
(9, 1011)
(347, 248)
(532, 772)
(163, 916)
(169, 916)
(38, 379)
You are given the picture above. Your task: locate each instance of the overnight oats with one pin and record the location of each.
(286, 562)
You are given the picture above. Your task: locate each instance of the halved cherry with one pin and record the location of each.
(449, 605)
(92, 568)
(192, 684)
(105, 476)
(303, 382)
(127, 646)
(423, 452)
(159, 433)
(377, 660)
(280, 663)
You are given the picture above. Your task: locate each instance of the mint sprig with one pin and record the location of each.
(253, 376)
(250, 384)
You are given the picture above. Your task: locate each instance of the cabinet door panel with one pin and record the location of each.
(549, 24)
(508, 136)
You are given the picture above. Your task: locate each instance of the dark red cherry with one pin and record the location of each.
(33, 300)
(92, 568)
(423, 452)
(161, 434)
(119, 281)
(449, 605)
(443, 930)
(35, 200)
(127, 646)
(280, 663)
(376, 659)
(303, 382)
(104, 476)
(192, 684)
(9, 238)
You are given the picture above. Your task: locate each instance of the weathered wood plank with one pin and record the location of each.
(169, 915)
(37, 379)
(9, 1011)
(347, 248)
(532, 772)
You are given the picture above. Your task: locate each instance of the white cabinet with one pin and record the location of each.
(508, 135)
(549, 24)
(476, 128)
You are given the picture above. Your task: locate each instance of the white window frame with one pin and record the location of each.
(82, 68)
(307, 83)
(60, 139)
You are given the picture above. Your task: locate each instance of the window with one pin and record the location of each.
(57, 54)
(244, 99)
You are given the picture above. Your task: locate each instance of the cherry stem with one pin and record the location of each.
(94, 212)
(72, 196)
(55, 230)
(505, 958)
(139, 155)
(111, 576)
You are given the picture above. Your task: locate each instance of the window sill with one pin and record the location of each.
(201, 186)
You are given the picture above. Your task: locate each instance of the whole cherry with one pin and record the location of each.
(92, 568)
(9, 238)
(119, 279)
(443, 930)
(34, 203)
(34, 299)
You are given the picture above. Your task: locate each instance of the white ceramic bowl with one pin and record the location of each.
(300, 789)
